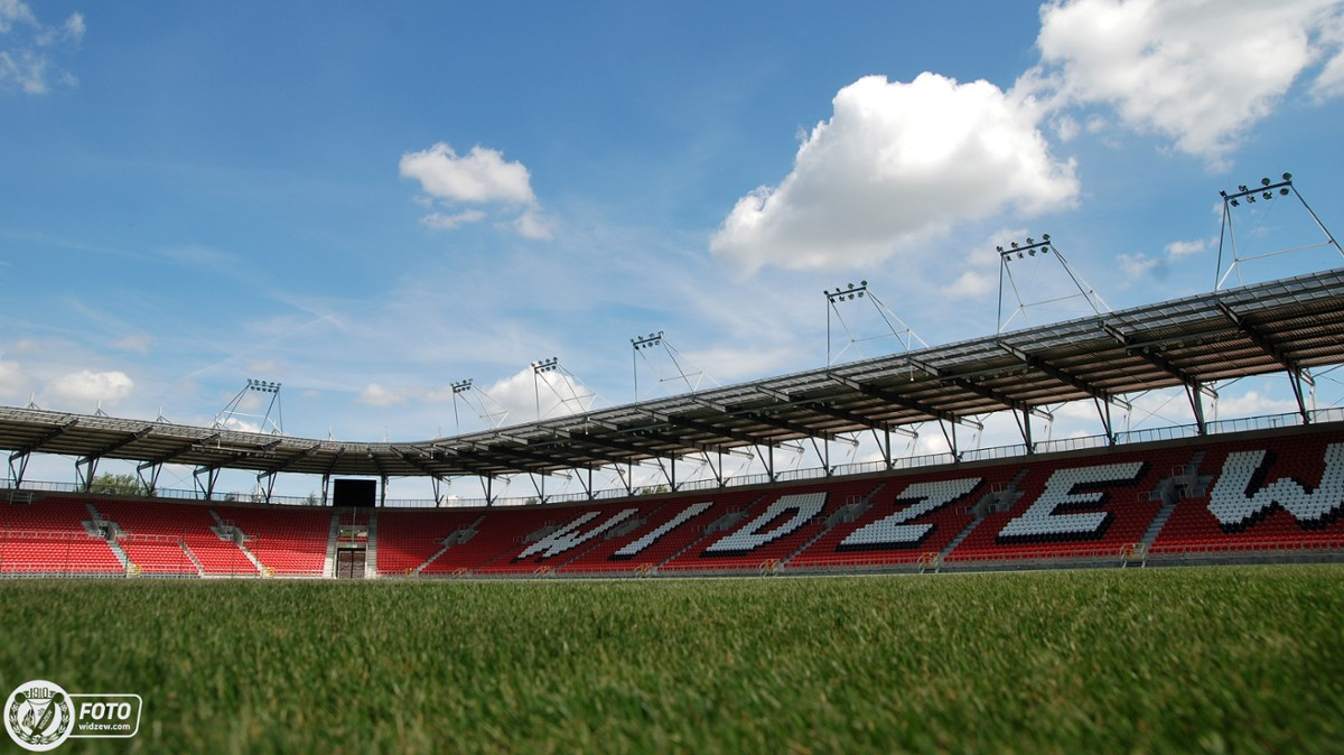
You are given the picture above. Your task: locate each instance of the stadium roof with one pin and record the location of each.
(1282, 325)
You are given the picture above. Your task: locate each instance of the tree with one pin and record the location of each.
(118, 484)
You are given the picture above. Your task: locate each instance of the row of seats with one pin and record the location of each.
(1280, 492)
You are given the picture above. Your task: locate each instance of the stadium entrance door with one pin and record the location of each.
(352, 544)
(350, 564)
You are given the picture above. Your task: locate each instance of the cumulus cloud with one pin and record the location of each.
(1254, 403)
(980, 275)
(442, 221)
(1186, 248)
(12, 380)
(87, 387)
(897, 163)
(1199, 72)
(532, 225)
(482, 177)
(1138, 265)
(376, 395)
(25, 57)
(561, 395)
(970, 284)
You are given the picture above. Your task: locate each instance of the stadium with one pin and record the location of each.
(1062, 530)
(1259, 488)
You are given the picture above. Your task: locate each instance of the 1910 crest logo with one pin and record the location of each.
(38, 715)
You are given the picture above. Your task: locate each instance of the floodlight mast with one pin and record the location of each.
(901, 331)
(1266, 191)
(1030, 247)
(549, 364)
(637, 344)
(231, 411)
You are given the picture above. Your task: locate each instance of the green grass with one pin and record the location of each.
(1215, 659)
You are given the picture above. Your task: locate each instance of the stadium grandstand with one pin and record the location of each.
(1261, 488)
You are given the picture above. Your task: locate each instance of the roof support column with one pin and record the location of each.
(1104, 412)
(1194, 391)
(16, 473)
(1023, 418)
(716, 471)
(436, 484)
(1295, 378)
(326, 483)
(627, 477)
(540, 488)
(587, 482)
(207, 488)
(950, 435)
(268, 486)
(86, 468)
(488, 485)
(382, 491)
(151, 485)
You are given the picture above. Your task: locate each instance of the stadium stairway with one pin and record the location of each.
(230, 532)
(1000, 498)
(329, 560)
(844, 514)
(460, 536)
(371, 552)
(101, 528)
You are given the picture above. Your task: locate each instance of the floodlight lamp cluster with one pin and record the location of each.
(850, 291)
(462, 386)
(1030, 248)
(647, 342)
(262, 386)
(1265, 191)
(546, 365)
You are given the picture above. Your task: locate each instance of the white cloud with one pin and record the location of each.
(1066, 128)
(970, 284)
(1137, 265)
(12, 381)
(440, 221)
(1199, 72)
(27, 65)
(979, 277)
(241, 425)
(74, 27)
(482, 175)
(1253, 403)
(1186, 248)
(376, 395)
(532, 225)
(87, 387)
(13, 13)
(898, 163)
(560, 395)
(24, 69)
(1330, 81)
(137, 342)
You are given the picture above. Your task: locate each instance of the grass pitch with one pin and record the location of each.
(1218, 659)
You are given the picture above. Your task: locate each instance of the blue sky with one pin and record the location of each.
(199, 194)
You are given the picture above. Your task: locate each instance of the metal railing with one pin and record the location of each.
(992, 453)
